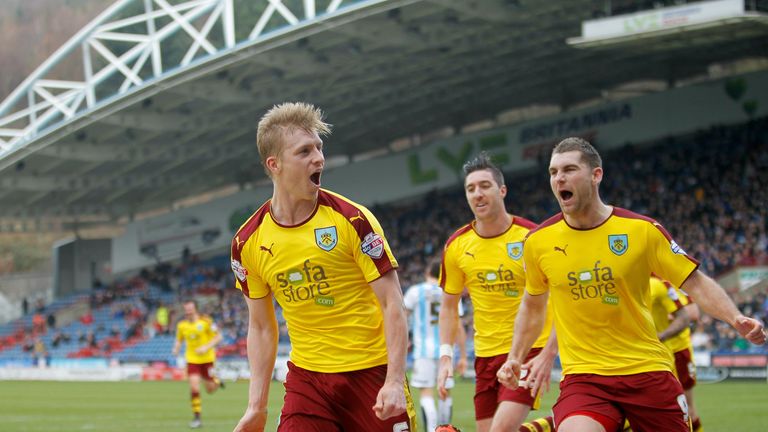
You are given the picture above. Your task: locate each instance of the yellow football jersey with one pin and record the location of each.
(598, 281)
(667, 299)
(492, 271)
(196, 334)
(319, 273)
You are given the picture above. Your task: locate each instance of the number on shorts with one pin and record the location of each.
(400, 427)
(683, 402)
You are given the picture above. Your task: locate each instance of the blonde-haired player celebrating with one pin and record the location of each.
(327, 263)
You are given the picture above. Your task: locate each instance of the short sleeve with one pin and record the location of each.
(451, 275)
(535, 280)
(666, 258)
(370, 248)
(247, 279)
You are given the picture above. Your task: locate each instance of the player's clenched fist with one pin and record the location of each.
(751, 330)
(390, 400)
(509, 374)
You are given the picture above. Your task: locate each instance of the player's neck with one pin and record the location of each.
(590, 216)
(288, 209)
(493, 226)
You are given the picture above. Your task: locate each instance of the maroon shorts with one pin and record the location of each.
(489, 392)
(202, 369)
(686, 369)
(651, 401)
(343, 401)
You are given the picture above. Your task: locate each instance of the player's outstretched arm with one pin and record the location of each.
(448, 322)
(714, 301)
(391, 398)
(262, 350)
(528, 326)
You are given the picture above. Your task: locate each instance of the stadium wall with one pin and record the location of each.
(77, 263)
(437, 165)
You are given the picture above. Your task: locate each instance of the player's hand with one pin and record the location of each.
(444, 371)
(461, 366)
(201, 350)
(509, 374)
(252, 421)
(539, 373)
(390, 401)
(750, 329)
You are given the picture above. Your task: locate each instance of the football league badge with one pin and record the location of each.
(373, 245)
(618, 243)
(326, 238)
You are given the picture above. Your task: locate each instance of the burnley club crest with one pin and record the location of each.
(515, 250)
(326, 238)
(618, 243)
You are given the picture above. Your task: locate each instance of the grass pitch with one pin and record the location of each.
(35, 406)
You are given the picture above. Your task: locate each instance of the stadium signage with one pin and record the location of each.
(747, 373)
(740, 360)
(574, 124)
(455, 160)
(750, 276)
(660, 19)
(497, 143)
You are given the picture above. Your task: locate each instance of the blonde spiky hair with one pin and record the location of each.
(283, 118)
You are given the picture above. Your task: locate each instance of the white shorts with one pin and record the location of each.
(424, 373)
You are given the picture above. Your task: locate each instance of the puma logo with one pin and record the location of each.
(354, 218)
(239, 243)
(267, 249)
(562, 249)
(470, 254)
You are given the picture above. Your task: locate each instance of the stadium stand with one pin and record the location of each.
(704, 187)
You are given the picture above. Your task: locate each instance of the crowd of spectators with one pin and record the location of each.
(709, 189)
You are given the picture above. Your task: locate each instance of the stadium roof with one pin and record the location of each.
(381, 70)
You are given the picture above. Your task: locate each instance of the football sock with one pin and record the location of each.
(444, 410)
(197, 405)
(697, 425)
(429, 412)
(544, 424)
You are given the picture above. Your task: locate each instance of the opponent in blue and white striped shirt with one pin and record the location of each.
(423, 304)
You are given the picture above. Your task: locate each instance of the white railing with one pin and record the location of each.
(123, 49)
